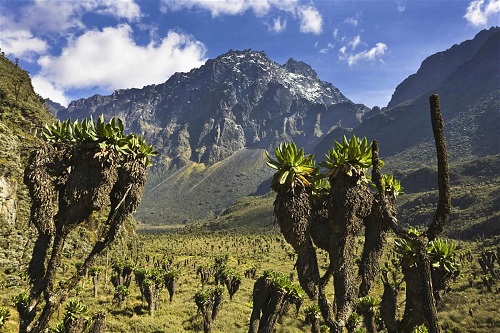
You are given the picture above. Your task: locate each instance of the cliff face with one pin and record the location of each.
(435, 69)
(240, 99)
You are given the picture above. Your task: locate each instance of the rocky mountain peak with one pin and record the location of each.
(300, 67)
(240, 99)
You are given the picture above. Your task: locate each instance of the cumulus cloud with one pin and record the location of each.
(479, 11)
(21, 44)
(375, 53)
(66, 16)
(278, 25)
(110, 59)
(229, 7)
(310, 20)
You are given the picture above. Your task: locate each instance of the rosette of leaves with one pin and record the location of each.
(406, 249)
(442, 255)
(349, 157)
(283, 283)
(293, 167)
(21, 301)
(4, 315)
(74, 309)
(312, 313)
(390, 186)
(105, 135)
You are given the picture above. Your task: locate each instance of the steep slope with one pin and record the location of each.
(470, 104)
(211, 125)
(22, 115)
(240, 99)
(438, 67)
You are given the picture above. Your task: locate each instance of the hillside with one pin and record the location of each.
(22, 114)
(470, 104)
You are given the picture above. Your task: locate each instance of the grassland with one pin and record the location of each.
(194, 247)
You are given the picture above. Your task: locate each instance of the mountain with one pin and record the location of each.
(241, 99)
(212, 125)
(469, 88)
(438, 67)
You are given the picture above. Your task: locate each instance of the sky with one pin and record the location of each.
(75, 49)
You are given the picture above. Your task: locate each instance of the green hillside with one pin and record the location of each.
(204, 191)
(22, 114)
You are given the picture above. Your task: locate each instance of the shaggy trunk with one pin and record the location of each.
(95, 281)
(375, 234)
(269, 304)
(66, 184)
(292, 211)
(350, 202)
(170, 284)
(388, 306)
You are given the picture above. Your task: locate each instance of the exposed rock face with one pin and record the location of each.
(240, 99)
(438, 67)
(8, 200)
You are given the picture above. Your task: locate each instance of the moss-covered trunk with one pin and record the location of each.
(349, 203)
(292, 210)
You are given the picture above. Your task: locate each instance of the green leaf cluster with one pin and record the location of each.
(312, 311)
(74, 308)
(441, 253)
(105, 135)
(293, 167)
(205, 295)
(4, 315)
(391, 185)
(283, 283)
(349, 157)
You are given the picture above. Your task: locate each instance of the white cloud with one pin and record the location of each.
(327, 49)
(352, 21)
(61, 17)
(110, 59)
(335, 33)
(372, 54)
(310, 20)
(127, 9)
(401, 8)
(230, 7)
(21, 43)
(478, 13)
(47, 89)
(355, 42)
(278, 25)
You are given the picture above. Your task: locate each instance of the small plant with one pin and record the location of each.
(4, 316)
(209, 302)
(74, 309)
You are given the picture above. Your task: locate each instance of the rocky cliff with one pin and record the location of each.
(239, 99)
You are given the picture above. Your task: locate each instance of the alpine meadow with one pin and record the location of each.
(250, 196)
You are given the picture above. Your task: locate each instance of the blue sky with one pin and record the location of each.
(74, 49)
